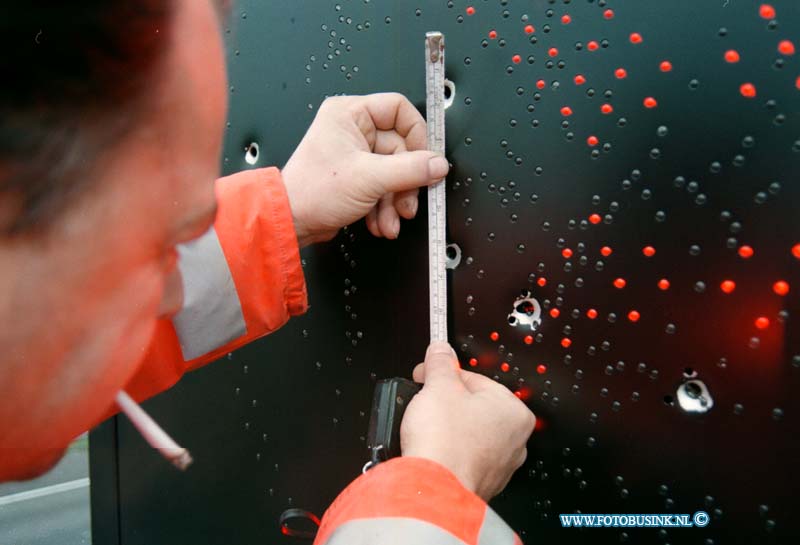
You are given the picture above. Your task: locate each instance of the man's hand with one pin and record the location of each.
(362, 156)
(467, 422)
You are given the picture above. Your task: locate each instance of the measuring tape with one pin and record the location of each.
(437, 213)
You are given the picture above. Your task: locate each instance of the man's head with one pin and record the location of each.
(111, 119)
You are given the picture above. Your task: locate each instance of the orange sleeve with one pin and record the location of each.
(411, 500)
(256, 233)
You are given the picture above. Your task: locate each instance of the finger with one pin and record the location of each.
(372, 223)
(441, 364)
(523, 455)
(389, 142)
(475, 382)
(399, 172)
(393, 111)
(388, 220)
(406, 203)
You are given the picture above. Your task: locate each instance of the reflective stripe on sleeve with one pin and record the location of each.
(391, 531)
(212, 314)
(495, 531)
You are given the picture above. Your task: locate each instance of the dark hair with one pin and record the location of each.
(73, 73)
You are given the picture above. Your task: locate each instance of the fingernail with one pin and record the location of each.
(396, 227)
(440, 347)
(438, 168)
(413, 205)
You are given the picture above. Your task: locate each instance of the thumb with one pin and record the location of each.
(403, 171)
(440, 363)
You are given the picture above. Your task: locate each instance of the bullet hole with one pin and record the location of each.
(526, 312)
(449, 93)
(452, 256)
(694, 397)
(251, 153)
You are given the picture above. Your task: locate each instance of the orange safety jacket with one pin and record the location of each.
(243, 280)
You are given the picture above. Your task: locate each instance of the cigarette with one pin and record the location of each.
(153, 434)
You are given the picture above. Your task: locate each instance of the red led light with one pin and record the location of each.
(492, 34)
(746, 252)
(580, 80)
(552, 51)
(634, 316)
(595, 219)
(592, 141)
(636, 38)
(606, 108)
(620, 283)
(591, 314)
(529, 29)
(542, 281)
(621, 73)
(541, 369)
(748, 90)
(566, 111)
(473, 362)
(566, 342)
(665, 66)
(786, 48)
(540, 84)
(766, 11)
(728, 286)
(649, 251)
(650, 102)
(524, 393)
(663, 284)
(606, 251)
(780, 287)
(555, 312)
(796, 251)
(567, 253)
(592, 46)
(470, 10)
(566, 19)
(494, 335)
(516, 59)
(528, 339)
(504, 367)
(762, 322)
(797, 82)
(608, 14)
(732, 56)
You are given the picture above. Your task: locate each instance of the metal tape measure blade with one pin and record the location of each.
(437, 213)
